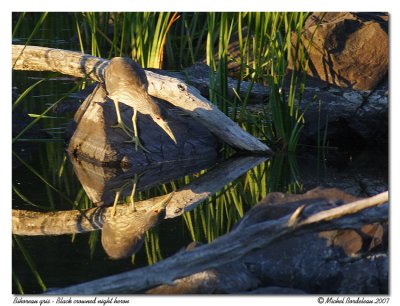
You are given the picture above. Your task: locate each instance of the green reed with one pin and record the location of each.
(17, 282)
(31, 265)
(265, 46)
(216, 215)
(152, 247)
(186, 40)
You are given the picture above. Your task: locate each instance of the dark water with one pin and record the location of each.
(44, 180)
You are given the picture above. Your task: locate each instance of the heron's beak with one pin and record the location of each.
(164, 125)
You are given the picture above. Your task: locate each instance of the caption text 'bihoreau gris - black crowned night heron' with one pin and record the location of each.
(126, 82)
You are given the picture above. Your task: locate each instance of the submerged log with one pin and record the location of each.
(170, 89)
(317, 211)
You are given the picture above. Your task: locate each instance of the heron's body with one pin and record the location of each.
(126, 82)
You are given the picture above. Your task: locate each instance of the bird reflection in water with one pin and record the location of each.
(123, 233)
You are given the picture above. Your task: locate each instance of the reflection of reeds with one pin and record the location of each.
(17, 283)
(31, 265)
(152, 247)
(219, 213)
(283, 174)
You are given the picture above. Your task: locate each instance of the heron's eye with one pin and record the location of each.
(158, 118)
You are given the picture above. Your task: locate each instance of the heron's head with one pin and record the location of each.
(162, 123)
(158, 115)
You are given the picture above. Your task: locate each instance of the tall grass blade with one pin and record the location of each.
(45, 181)
(37, 26)
(30, 263)
(17, 282)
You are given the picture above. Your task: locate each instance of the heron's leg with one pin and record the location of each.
(120, 124)
(117, 194)
(134, 124)
(132, 196)
(135, 137)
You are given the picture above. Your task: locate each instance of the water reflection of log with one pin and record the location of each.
(100, 182)
(300, 219)
(184, 199)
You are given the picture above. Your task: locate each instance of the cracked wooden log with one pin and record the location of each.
(173, 90)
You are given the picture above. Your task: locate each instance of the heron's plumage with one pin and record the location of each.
(126, 82)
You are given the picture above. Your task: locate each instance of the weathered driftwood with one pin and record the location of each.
(170, 89)
(198, 76)
(184, 199)
(228, 278)
(238, 243)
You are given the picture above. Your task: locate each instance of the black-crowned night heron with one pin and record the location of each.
(126, 82)
(122, 235)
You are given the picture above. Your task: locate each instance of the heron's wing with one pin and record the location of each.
(125, 73)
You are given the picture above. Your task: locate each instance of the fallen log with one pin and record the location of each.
(173, 90)
(318, 216)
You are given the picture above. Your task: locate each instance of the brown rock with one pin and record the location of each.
(348, 49)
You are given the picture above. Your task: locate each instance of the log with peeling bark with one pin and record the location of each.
(173, 90)
(319, 212)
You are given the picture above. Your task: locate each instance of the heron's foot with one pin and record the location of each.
(123, 127)
(138, 144)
